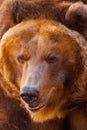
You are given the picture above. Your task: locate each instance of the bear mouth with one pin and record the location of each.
(37, 108)
(41, 104)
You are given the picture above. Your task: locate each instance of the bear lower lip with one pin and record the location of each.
(34, 109)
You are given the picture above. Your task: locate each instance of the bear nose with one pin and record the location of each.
(30, 96)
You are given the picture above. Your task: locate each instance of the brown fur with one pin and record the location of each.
(76, 17)
(14, 11)
(25, 61)
(12, 115)
(1, 2)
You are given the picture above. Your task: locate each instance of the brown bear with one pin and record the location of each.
(72, 13)
(14, 13)
(13, 115)
(46, 64)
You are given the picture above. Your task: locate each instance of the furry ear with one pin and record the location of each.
(6, 18)
(76, 16)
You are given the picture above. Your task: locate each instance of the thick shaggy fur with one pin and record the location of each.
(51, 58)
(12, 115)
(76, 16)
(71, 78)
(72, 15)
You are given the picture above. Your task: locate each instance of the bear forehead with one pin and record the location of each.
(39, 31)
(30, 28)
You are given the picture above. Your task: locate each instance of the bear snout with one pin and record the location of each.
(30, 96)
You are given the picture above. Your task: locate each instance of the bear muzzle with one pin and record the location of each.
(30, 96)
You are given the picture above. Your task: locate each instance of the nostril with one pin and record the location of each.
(30, 97)
(25, 97)
(33, 98)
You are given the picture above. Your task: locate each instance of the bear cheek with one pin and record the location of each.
(13, 69)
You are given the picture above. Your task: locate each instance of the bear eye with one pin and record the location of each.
(51, 59)
(22, 58)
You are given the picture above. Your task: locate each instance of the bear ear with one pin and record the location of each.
(6, 17)
(76, 17)
(12, 12)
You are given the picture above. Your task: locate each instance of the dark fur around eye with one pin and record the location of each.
(22, 58)
(51, 59)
